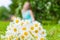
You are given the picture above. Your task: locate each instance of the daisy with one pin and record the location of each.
(43, 33)
(17, 20)
(15, 31)
(41, 38)
(24, 35)
(37, 24)
(22, 23)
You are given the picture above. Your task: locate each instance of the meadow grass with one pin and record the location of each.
(3, 25)
(53, 30)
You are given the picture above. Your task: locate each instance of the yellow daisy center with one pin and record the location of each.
(15, 29)
(17, 38)
(25, 33)
(22, 37)
(41, 38)
(36, 36)
(39, 28)
(36, 31)
(24, 28)
(17, 21)
(36, 25)
(43, 32)
(9, 38)
(32, 28)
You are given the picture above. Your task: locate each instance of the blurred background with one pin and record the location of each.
(45, 11)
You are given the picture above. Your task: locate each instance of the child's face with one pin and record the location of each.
(26, 5)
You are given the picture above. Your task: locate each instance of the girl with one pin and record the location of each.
(27, 13)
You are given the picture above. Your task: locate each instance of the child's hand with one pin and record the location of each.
(12, 18)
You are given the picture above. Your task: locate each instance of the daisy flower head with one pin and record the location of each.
(17, 38)
(37, 36)
(36, 24)
(32, 27)
(40, 28)
(34, 32)
(43, 33)
(41, 38)
(15, 30)
(22, 37)
(17, 20)
(22, 23)
(24, 34)
(24, 28)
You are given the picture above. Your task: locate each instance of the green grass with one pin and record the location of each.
(3, 25)
(53, 30)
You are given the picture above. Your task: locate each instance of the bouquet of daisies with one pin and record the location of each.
(24, 30)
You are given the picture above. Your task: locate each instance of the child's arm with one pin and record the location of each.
(33, 19)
